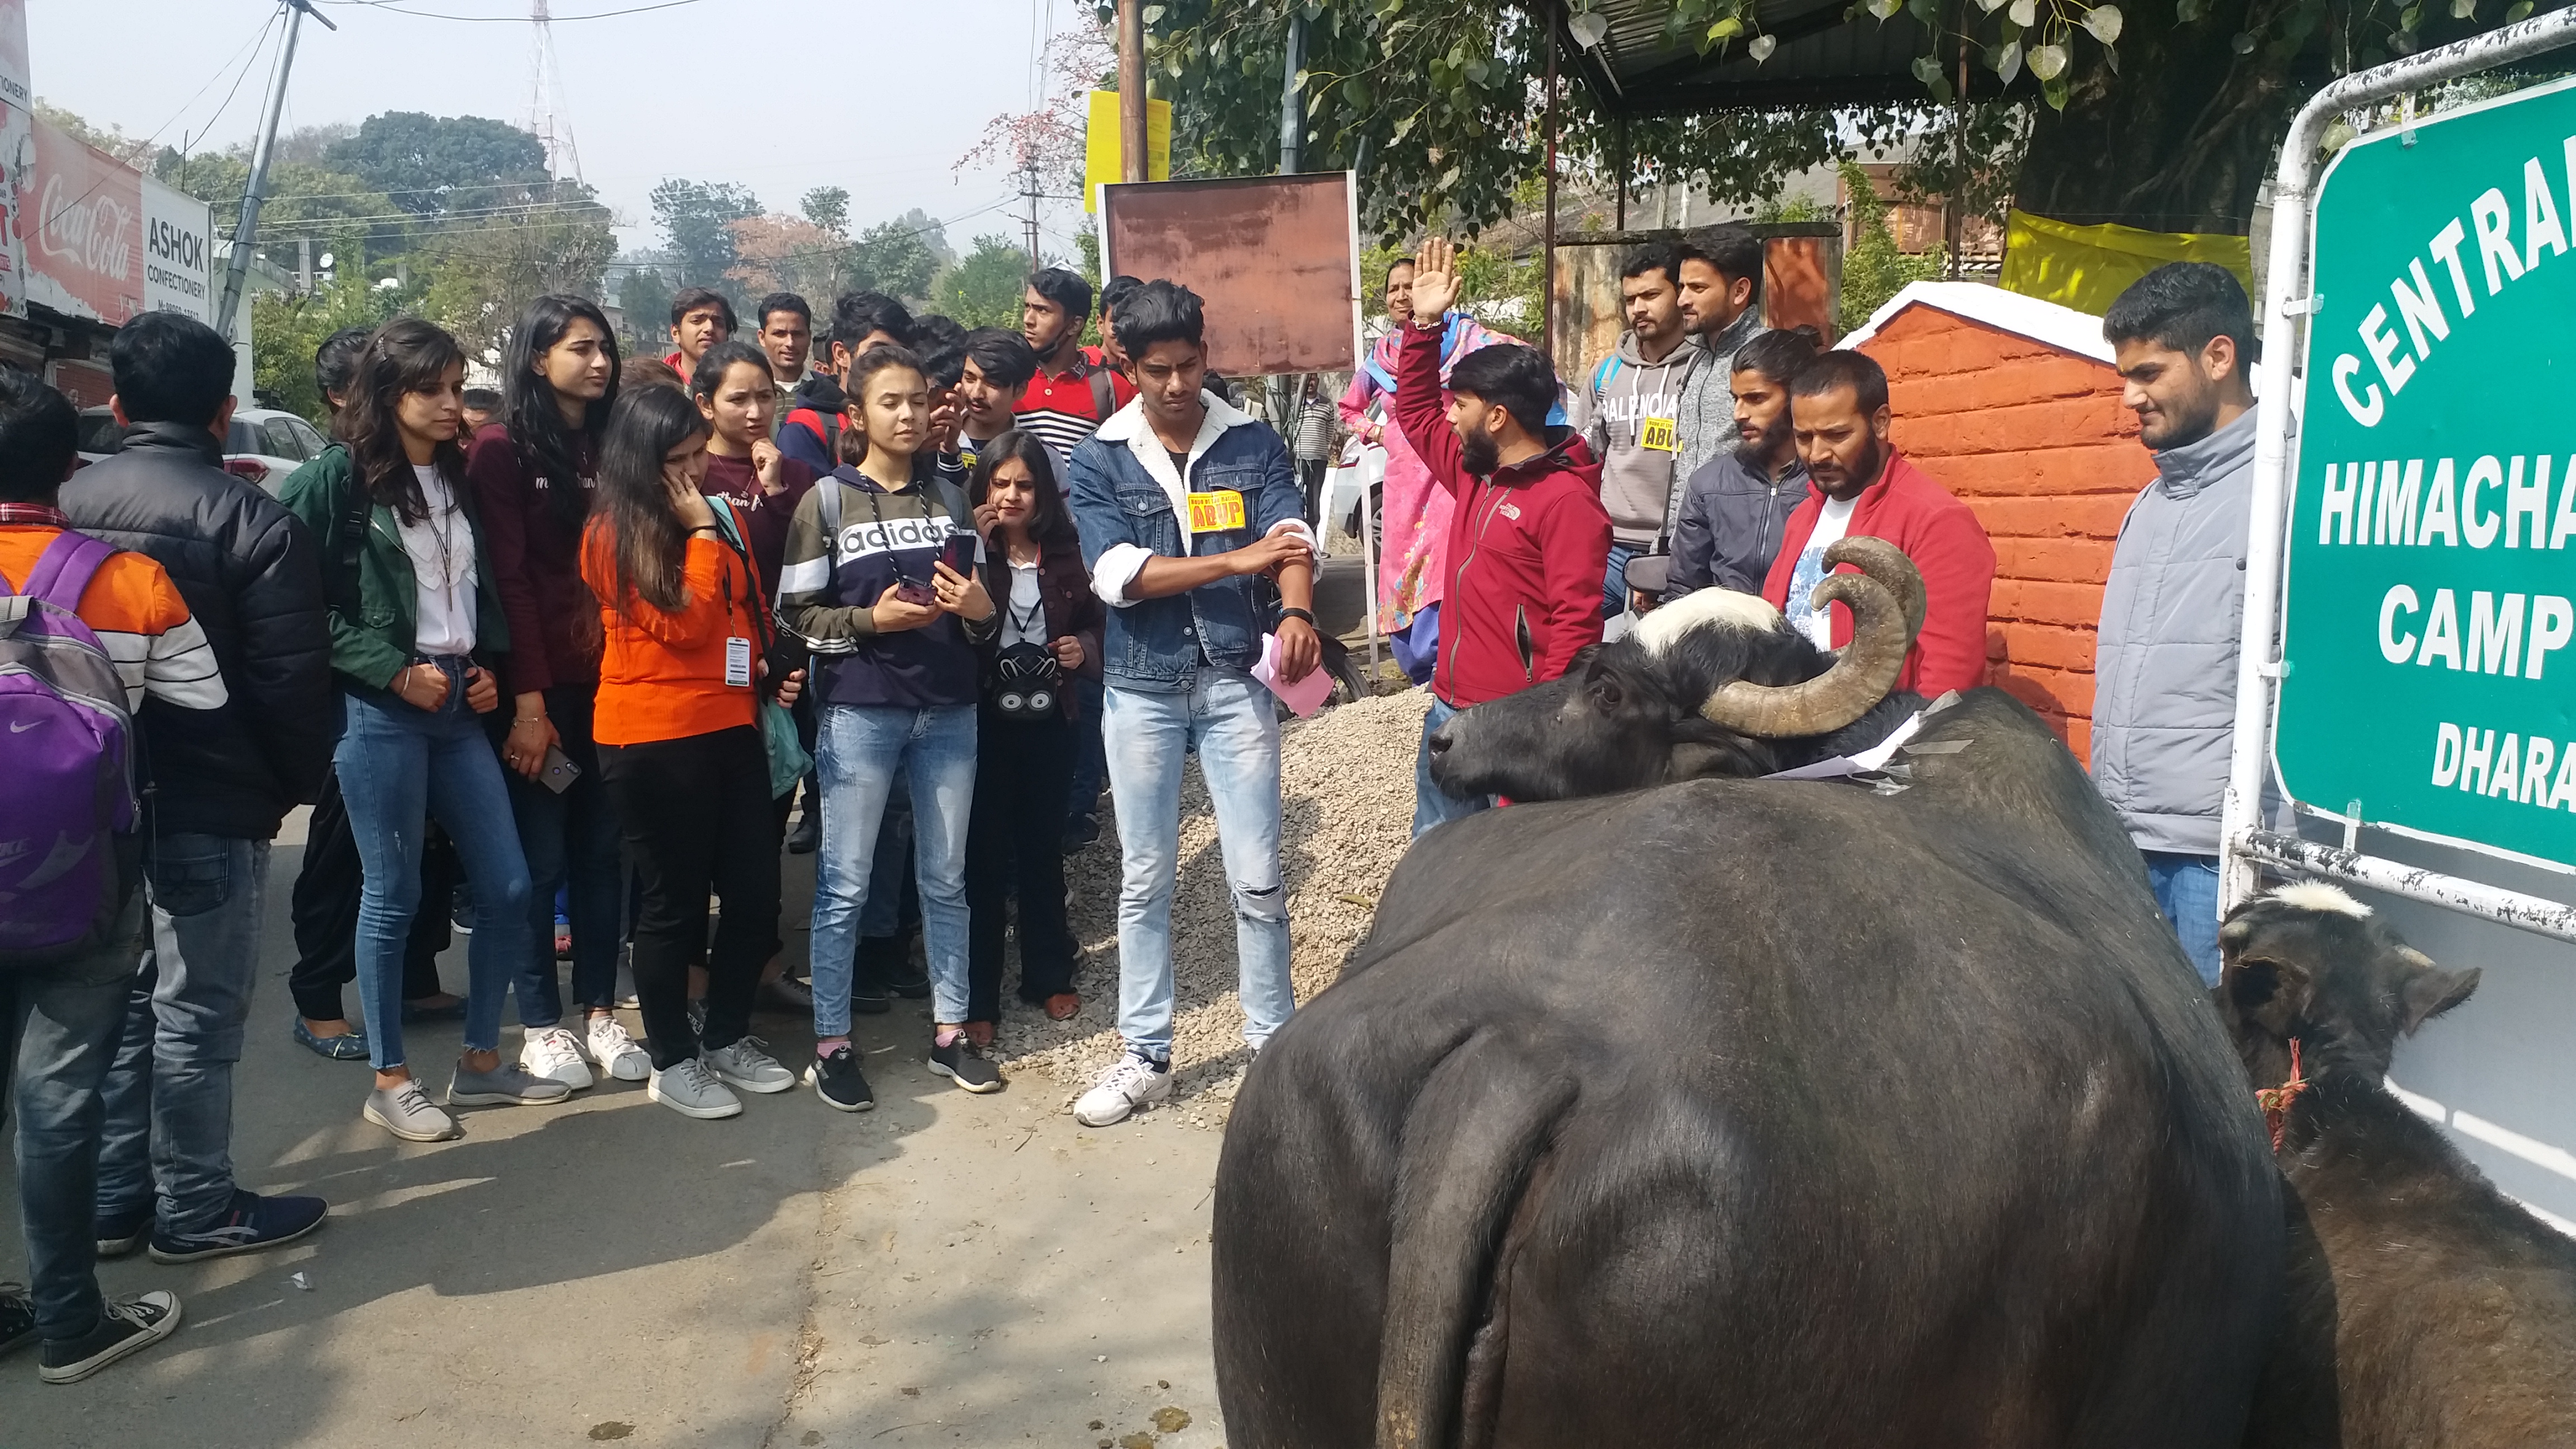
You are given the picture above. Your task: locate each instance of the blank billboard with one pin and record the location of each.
(1276, 259)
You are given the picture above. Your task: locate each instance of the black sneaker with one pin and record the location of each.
(17, 1318)
(1081, 831)
(123, 1328)
(959, 1062)
(251, 1224)
(837, 1080)
(807, 832)
(869, 997)
(122, 1230)
(886, 963)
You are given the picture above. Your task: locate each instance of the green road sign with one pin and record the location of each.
(2429, 630)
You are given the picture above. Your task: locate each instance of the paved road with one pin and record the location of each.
(945, 1270)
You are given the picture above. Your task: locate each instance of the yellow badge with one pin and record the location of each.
(1657, 433)
(1216, 512)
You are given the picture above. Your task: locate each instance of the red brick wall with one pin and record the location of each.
(2036, 442)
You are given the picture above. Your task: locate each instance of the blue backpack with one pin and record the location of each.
(67, 805)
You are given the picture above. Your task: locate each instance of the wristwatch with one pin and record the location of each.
(1286, 614)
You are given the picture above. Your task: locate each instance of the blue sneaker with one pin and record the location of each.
(348, 1046)
(122, 1230)
(252, 1223)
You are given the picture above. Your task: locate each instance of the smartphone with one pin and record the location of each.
(559, 771)
(920, 596)
(959, 554)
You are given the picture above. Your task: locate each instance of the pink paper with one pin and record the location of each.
(1305, 696)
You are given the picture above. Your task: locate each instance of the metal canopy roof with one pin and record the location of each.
(1822, 59)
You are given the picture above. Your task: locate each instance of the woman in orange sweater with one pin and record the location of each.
(685, 631)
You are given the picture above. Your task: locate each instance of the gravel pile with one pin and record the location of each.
(1346, 787)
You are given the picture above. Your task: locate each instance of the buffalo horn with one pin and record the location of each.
(1886, 601)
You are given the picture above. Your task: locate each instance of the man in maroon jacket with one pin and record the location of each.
(1529, 539)
(1858, 485)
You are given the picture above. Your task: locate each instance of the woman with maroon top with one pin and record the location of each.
(737, 397)
(1025, 740)
(533, 478)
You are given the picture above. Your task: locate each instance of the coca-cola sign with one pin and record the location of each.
(82, 215)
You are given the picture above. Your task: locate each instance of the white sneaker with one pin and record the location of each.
(689, 1089)
(554, 1053)
(1132, 1083)
(619, 1058)
(748, 1067)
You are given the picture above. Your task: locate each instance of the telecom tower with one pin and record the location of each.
(545, 96)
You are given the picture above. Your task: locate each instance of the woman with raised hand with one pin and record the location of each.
(406, 656)
(684, 665)
(534, 475)
(1025, 740)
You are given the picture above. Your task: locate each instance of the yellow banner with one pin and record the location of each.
(2088, 267)
(1100, 155)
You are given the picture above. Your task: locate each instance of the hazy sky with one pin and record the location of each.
(878, 96)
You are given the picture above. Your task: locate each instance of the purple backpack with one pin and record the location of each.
(66, 780)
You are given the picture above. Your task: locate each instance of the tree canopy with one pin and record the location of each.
(2159, 113)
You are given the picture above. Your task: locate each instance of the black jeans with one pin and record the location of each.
(325, 910)
(696, 813)
(1015, 847)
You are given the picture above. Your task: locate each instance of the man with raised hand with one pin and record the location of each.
(1528, 537)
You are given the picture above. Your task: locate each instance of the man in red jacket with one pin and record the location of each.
(1529, 539)
(1857, 485)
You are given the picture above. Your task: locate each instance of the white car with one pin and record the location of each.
(263, 446)
(1346, 483)
(266, 445)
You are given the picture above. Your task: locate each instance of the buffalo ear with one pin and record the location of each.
(2430, 990)
(2270, 991)
(1705, 751)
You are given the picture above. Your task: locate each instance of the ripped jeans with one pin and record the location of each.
(1233, 722)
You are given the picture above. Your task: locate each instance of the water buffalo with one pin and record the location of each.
(2424, 1308)
(1712, 684)
(1733, 1111)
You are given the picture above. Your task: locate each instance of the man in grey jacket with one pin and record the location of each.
(1735, 509)
(1721, 277)
(1630, 410)
(2164, 666)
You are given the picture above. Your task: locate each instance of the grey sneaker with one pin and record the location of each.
(691, 1090)
(506, 1085)
(748, 1067)
(407, 1112)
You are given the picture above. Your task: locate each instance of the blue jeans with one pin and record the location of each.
(1232, 722)
(169, 1096)
(881, 919)
(570, 843)
(58, 1035)
(1090, 754)
(1614, 582)
(398, 766)
(864, 748)
(1431, 804)
(2186, 888)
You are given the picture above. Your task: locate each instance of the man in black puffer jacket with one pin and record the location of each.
(219, 788)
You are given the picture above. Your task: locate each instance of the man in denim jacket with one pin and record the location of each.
(1182, 501)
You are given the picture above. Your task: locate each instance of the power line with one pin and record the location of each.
(393, 9)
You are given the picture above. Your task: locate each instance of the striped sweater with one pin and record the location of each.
(827, 593)
(159, 649)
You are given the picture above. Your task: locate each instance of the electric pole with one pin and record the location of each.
(246, 231)
(1030, 193)
(1292, 114)
(1131, 90)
